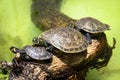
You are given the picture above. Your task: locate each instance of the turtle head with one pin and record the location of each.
(70, 25)
(16, 51)
(13, 49)
(37, 41)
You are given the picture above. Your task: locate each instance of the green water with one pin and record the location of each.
(17, 29)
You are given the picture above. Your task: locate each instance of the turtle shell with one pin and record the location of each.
(68, 40)
(38, 53)
(91, 25)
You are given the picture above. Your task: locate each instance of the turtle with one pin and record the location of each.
(90, 25)
(66, 39)
(32, 52)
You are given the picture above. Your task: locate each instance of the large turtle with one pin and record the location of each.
(91, 25)
(66, 39)
(32, 52)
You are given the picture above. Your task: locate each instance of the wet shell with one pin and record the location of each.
(68, 40)
(91, 25)
(38, 53)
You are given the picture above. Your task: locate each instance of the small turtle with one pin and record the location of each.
(31, 52)
(91, 25)
(66, 39)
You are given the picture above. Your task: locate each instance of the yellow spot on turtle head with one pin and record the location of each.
(14, 49)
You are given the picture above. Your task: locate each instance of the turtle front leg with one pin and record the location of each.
(88, 37)
(38, 42)
(50, 48)
(17, 66)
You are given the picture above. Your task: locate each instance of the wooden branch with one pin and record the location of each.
(47, 16)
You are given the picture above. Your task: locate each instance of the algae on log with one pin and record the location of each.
(63, 66)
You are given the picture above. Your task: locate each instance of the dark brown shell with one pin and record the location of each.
(68, 40)
(91, 25)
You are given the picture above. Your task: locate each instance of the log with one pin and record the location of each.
(63, 66)
(46, 15)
